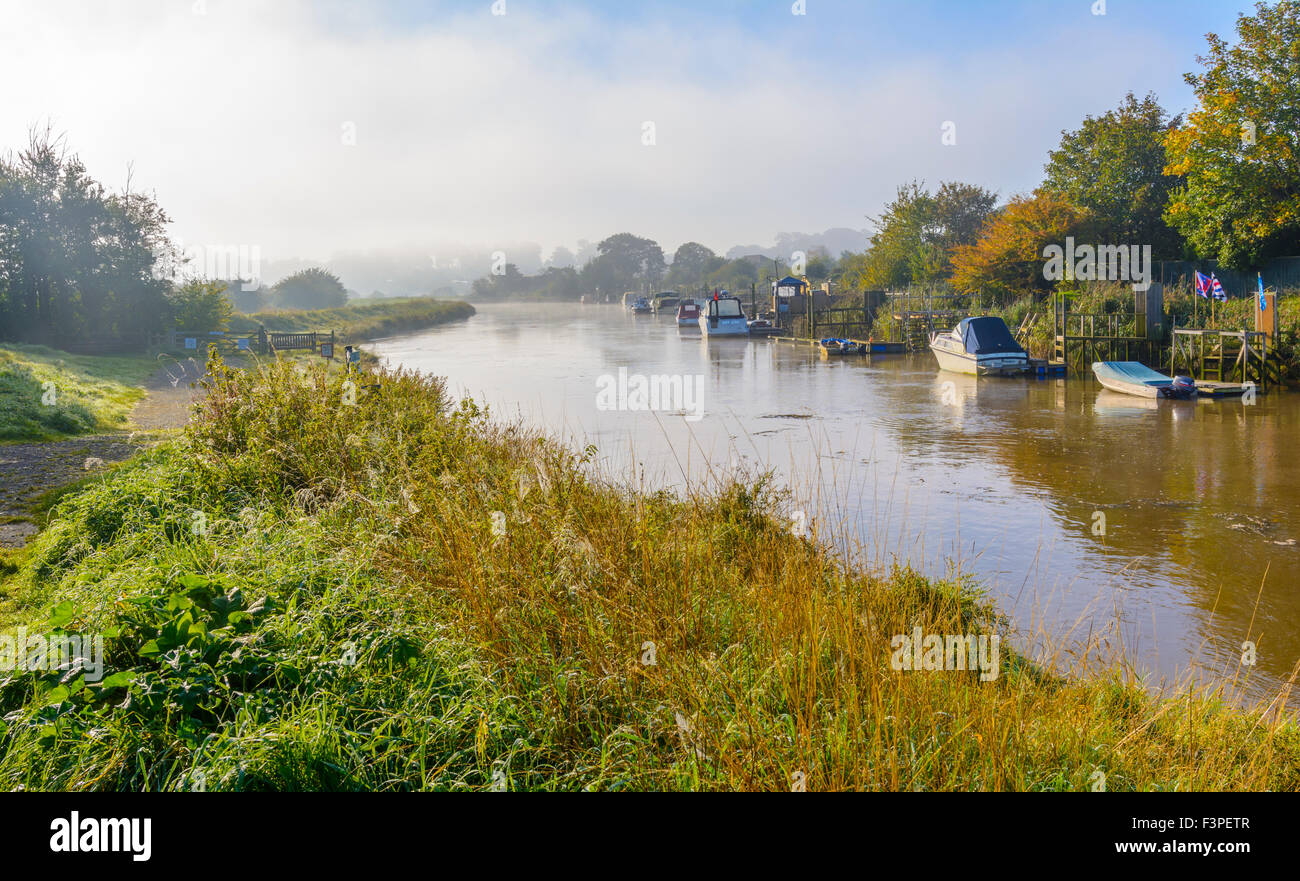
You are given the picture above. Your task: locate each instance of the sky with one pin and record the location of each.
(308, 129)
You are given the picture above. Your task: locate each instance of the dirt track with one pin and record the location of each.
(29, 470)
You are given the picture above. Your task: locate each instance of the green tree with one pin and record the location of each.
(201, 306)
(247, 296)
(623, 261)
(960, 212)
(692, 262)
(313, 288)
(75, 259)
(733, 275)
(917, 232)
(1114, 167)
(1240, 149)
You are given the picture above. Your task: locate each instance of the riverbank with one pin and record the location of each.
(301, 593)
(360, 320)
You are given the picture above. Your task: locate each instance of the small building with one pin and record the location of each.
(790, 297)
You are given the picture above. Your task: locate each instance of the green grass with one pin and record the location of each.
(46, 394)
(360, 319)
(397, 594)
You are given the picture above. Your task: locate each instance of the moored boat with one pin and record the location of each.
(1132, 378)
(666, 303)
(688, 314)
(641, 306)
(724, 316)
(980, 346)
(837, 346)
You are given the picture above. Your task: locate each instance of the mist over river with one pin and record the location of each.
(999, 478)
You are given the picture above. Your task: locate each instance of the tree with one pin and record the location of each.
(1114, 166)
(692, 262)
(622, 261)
(313, 288)
(75, 259)
(960, 212)
(734, 275)
(918, 230)
(1008, 257)
(201, 305)
(247, 296)
(1240, 148)
(561, 257)
(820, 266)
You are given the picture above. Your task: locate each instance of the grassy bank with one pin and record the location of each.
(46, 394)
(360, 319)
(302, 594)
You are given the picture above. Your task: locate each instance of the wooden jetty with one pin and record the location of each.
(1221, 359)
(1081, 338)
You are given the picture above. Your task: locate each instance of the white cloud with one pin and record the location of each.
(494, 129)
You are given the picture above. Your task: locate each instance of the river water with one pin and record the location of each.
(1009, 480)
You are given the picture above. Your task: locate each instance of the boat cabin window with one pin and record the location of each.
(725, 309)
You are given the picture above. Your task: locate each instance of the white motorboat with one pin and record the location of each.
(724, 317)
(980, 347)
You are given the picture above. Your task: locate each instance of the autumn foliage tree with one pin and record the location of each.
(1240, 148)
(1008, 257)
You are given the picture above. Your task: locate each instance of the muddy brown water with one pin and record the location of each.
(1002, 479)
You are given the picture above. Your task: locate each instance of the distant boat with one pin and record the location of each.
(666, 303)
(980, 347)
(837, 346)
(688, 314)
(761, 327)
(724, 317)
(641, 306)
(1132, 378)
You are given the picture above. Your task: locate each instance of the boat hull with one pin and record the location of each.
(972, 365)
(723, 326)
(1137, 380)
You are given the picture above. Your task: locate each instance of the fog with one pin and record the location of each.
(410, 134)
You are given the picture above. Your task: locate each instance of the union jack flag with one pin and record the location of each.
(1208, 284)
(1219, 293)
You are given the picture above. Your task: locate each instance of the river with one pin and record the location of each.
(1009, 480)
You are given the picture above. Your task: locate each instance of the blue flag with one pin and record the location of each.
(1263, 301)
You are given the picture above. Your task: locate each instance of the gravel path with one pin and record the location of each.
(29, 470)
(170, 394)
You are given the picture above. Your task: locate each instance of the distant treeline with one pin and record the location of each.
(78, 262)
(627, 262)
